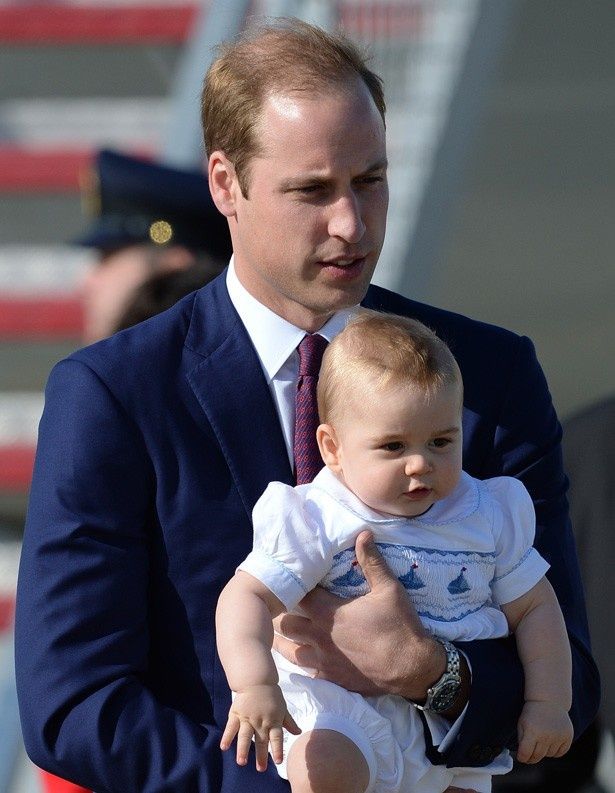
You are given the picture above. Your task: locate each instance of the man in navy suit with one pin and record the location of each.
(156, 443)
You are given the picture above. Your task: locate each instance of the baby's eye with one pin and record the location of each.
(440, 443)
(393, 446)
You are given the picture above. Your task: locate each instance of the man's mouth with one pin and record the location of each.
(344, 266)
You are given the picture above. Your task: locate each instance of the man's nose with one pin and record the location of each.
(346, 221)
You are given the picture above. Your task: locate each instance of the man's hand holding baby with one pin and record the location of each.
(400, 656)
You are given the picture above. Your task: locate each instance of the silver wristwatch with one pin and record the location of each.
(442, 695)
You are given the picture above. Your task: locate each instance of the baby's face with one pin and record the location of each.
(399, 450)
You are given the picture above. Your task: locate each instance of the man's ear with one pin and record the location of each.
(329, 447)
(223, 184)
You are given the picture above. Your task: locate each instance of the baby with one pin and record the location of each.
(390, 401)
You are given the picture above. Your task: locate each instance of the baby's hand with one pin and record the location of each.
(544, 730)
(258, 711)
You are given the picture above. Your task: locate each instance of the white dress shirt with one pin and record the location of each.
(275, 341)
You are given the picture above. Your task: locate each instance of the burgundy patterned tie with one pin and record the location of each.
(307, 457)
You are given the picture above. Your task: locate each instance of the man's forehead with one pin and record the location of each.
(286, 105)
(293, 119)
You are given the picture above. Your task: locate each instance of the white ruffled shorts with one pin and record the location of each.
(387, 730)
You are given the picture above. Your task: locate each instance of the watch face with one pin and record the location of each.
(446, 694)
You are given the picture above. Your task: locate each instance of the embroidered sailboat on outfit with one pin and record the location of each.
(459, 585)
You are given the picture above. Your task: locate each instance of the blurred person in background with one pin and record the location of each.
(162, 290)
(159, 237)
(150, 219)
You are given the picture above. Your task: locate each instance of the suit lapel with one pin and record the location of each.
(233, 393)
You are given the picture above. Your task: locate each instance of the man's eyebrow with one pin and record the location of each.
(379, 165)
(300, 180)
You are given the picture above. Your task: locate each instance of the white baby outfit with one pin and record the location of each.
(469, 553)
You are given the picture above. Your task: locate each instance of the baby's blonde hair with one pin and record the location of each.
(378, 350)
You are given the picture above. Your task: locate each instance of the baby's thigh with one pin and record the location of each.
(325, 761)
(322, 709)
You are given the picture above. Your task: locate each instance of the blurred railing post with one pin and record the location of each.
(217, 20)
(10, 730)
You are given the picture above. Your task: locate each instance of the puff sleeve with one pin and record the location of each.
(291, 552)
(519, 566)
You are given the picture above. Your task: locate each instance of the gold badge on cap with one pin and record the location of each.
(161, 232)
(89, 187)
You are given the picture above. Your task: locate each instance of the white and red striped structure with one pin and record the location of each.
(46, 144)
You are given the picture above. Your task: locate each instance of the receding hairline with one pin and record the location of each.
(283, 55)
(352, 89)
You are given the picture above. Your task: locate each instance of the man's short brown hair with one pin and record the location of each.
(287, 56)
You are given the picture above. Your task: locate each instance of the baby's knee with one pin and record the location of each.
(325, 761)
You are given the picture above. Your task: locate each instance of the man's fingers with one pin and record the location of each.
(375, 569)
(285, 647)
(320, 606)
(298, 654)
(293, 626)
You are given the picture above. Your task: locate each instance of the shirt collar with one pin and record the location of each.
(274, 338)
(458, 505)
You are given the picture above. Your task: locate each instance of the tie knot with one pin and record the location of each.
(311, 349)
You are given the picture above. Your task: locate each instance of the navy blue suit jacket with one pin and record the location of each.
(154, 446)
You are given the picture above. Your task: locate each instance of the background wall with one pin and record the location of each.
(532, 239)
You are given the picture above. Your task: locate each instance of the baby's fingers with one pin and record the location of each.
(244, 741)
(291, 725)
(261, 743)
(528, 751)
(560, 749)
(276, 742)
(230, 731)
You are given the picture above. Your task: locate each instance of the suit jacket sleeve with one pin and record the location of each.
(526, 445)
(82, 629)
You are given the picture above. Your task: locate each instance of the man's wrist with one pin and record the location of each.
(461, 700)
(428, 666)
(439, 666)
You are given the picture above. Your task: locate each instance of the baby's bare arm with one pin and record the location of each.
(544, 729)
(244, 634)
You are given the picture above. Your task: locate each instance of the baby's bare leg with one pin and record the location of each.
(325, 761)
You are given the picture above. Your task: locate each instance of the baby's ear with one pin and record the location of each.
(329, 447)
